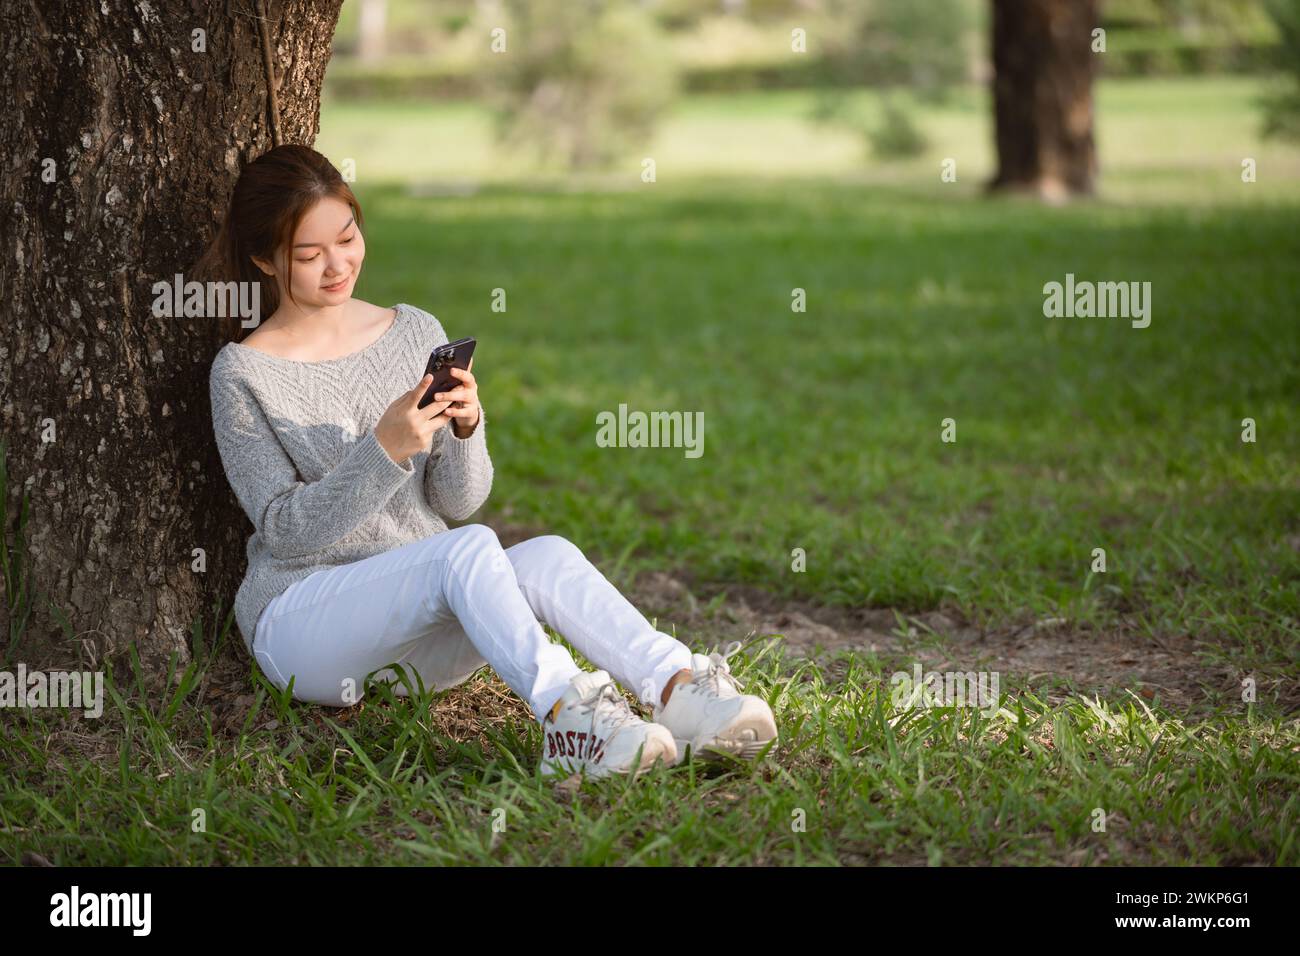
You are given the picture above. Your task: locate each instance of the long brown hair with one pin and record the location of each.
(269, 200)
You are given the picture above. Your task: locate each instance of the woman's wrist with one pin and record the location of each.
(467, 432)
(389, 452)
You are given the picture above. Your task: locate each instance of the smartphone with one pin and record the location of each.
(441, 361)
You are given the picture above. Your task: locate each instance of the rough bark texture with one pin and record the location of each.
(1042, 94)
(145, 136)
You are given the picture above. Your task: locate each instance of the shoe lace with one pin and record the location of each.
(608, 691)
(720, 669)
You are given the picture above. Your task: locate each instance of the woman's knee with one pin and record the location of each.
(480, 535)
(469, 548)
(472, 539)
(543, 553)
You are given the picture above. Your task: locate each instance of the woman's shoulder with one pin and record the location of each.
(429, 330)
(223, 361)
(228, 367)
(221, 376)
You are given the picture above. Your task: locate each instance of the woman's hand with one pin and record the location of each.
(463, 403)
(404, 429)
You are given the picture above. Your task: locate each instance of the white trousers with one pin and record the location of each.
(451, 603)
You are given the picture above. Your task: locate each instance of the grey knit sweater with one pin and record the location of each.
(298, 445)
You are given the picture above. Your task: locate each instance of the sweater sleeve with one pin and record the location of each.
(458, 471)
(294, 517)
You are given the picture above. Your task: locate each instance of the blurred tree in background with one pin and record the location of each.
(894, 46)
(426, 49)
(1195, 19)
(582, 81)
(1044, 65)
(1282, 109)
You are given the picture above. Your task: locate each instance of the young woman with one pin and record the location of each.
(352, 567)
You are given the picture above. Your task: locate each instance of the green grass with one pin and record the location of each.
(822, 432)
(856, 781)
(822, 429)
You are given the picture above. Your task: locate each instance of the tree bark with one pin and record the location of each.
(122, 146)
(1042, 96)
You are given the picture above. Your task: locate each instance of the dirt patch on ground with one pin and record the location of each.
(1052, 657)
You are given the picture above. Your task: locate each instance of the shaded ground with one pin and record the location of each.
(1051, 657)
(1054, 658)
(1223, 794)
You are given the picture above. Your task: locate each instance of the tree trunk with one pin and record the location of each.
(121, 148)
(1043, 67)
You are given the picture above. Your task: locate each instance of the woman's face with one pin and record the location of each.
(327, 251)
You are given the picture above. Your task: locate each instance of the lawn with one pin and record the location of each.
(822, 432)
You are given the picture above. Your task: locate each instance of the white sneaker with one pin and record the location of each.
(591, 729)
(708, 715)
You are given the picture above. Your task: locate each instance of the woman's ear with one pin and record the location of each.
(263, 265)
